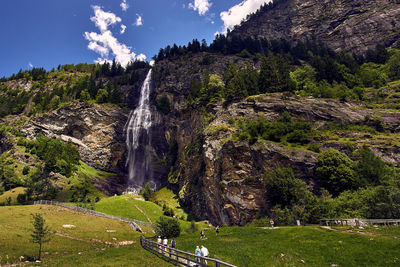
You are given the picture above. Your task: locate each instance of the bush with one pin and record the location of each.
(58, 156)
(282, 187)
(335, 171)
(167, 211)
(370, 168)
(168, 227)
(147, 192)
(25, 170)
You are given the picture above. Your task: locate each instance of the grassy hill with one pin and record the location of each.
(147, 211)
(88, 244)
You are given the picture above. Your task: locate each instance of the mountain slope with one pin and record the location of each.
(352, 26)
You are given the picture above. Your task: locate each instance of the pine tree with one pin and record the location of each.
(41, 232)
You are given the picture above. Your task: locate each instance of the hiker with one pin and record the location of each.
(159, 242)
(204, 253)
(198, 253)
(173, 244)
(272, 223)
(202, 236)
(165, 243)
(217, 230)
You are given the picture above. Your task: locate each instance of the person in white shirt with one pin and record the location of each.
(165, 243)
(204, 253)
(159, 242)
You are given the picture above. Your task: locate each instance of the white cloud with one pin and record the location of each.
(105, 43)
(30, 65)
(201, 6)
(124, 5)
(239, 12)
(123, 28)
(104, 19)
(139, 20)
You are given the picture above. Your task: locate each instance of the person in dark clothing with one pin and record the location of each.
(173, 244)
(217, 230)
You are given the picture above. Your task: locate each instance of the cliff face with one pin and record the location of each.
(352, 26)
(222, 179)
(232, 183)
(97, 130)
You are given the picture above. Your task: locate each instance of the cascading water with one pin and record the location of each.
(138, 141)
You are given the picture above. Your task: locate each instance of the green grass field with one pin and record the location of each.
(300, 246)
(128, 207)
(88, 244)
(12, 194)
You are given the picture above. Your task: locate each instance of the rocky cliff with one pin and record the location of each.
(220, 178)
(97, 130)
(352, 26)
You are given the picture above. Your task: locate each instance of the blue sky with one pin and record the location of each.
(45, 33)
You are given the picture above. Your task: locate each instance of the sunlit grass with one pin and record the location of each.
(88, 244)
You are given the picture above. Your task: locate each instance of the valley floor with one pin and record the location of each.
(300, 246)
(87, 244)
(94, 241)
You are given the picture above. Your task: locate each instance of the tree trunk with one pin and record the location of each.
(40, 250)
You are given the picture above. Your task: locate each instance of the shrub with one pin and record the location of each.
(147, 192)
(167, 211)
(335, 171)
(168, 227)
(163, 104)
(282, 187)
(25, 170)
(370, 168)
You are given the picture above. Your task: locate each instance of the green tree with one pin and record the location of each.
(283, 188)
(40, 232)
(393, 66)
(147, 192)
(102, 96)
(168, 227)
(335, 171)
(370, 168)
(85, 96)
(212, 91)
(275, 75)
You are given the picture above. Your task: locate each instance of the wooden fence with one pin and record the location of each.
(179, 256)
(359, 222)
(95, 213)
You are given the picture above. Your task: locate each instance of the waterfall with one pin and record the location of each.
(138, 141)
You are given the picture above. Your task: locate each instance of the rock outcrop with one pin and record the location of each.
(352, 26)
(97, 130)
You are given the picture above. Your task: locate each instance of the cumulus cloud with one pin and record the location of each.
(103, 19)
(201, 6)
(139, 20)
(123, 28)
(124, 5)
(105, 43)
(239, 12)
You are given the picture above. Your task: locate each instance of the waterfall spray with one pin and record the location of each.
(138, 141)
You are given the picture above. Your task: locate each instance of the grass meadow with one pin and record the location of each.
(87, 244)
(300, 246)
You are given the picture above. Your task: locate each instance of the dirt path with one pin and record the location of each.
(139, 209)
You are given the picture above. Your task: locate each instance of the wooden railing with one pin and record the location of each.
(359, 222)
(179, 256)
(95, 213)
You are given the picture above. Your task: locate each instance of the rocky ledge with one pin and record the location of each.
(97, 130)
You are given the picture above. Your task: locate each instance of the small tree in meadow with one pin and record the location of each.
(168, 227)
(41, 232)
